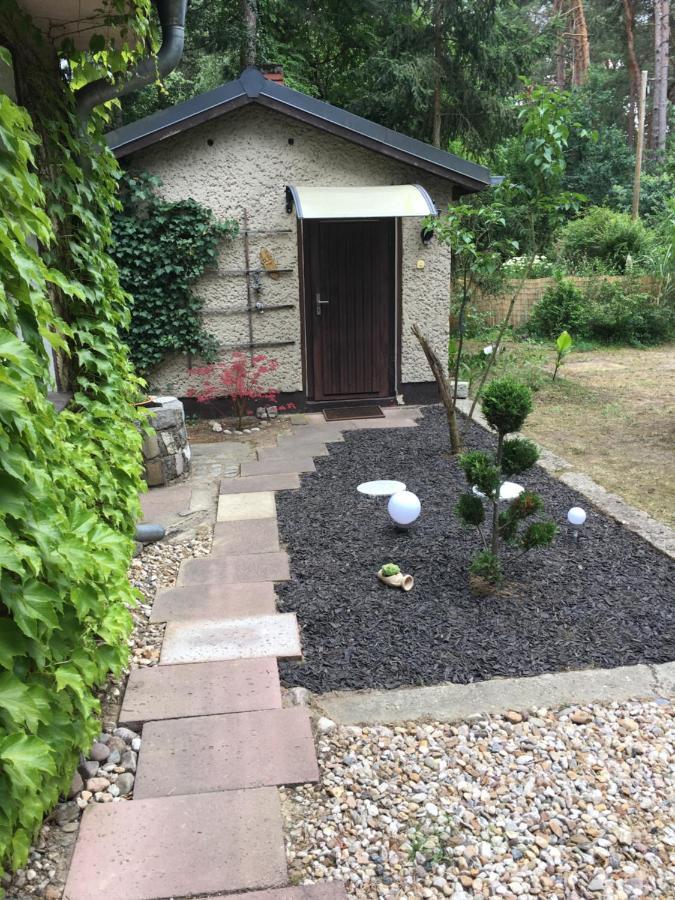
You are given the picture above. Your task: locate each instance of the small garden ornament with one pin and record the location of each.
(506, 405)
(391, 575)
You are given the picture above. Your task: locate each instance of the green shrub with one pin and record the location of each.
(506, 404)
(486, 565)
(603, 237)
(562, 308)
(619, 316)
(390, 569)
(518, 455)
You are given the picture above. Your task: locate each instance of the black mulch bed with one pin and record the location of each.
(604, 600)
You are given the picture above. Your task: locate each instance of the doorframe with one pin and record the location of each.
(397, 309)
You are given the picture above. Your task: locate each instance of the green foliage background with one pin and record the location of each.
(69, 483)
(162, 248)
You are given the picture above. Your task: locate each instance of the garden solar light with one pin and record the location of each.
(576, 516)
(404, 507)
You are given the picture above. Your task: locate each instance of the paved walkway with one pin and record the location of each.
(217, 743)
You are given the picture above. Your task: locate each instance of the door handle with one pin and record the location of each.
(319, 303)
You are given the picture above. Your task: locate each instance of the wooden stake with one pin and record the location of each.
(642, 102)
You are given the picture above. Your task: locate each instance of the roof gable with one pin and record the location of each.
(253, 87)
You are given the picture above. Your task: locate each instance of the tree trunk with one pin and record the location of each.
(249, 19)
(560, 47)
(443, 388)
(632, 65)
(582, 50)
(438, 71)
(657, 134)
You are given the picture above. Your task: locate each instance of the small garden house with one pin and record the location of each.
(332, 265)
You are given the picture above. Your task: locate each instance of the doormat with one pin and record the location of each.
(353, 412)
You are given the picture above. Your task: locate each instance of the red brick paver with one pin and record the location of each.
(252, 536)
(177, 846)
(241, 569)
(323, 890)
(221, 753)
(215, 601)
(297, 463)
(200, 689)
(287, 481)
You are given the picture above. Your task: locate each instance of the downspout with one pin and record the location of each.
(172, 20)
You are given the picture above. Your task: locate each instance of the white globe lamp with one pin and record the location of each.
(576, 516)
(404, 507)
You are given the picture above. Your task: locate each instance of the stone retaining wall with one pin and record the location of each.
(166, 452)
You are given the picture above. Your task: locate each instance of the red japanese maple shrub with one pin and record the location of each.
(242, 380)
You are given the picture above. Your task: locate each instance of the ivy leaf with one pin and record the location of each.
(16, 701)
(68, 676)
(12, 643)
(27, 755)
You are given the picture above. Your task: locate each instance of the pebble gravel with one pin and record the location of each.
(575, 803)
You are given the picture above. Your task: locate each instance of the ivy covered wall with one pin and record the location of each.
(69, 483)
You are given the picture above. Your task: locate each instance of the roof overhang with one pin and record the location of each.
(359, 202)
(253, 87)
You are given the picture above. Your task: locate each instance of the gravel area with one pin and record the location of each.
(602, 600)
(576, 803)
(107, 774)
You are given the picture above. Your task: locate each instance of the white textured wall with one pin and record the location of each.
(247, 167)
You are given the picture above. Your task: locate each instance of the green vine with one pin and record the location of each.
(69, 483)
(162, 248)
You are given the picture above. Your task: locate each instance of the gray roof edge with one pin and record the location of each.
(372, 130)
(253, 86)
(173, 117)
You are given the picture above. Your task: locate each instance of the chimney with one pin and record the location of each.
(273, 72)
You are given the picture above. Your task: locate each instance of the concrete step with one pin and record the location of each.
(252, 536)
(288, 481)
(287, 451)
(322, 890)
(179, 846)
(200, 689)
(242, 506)
(241, 569)
(215, 601)
(223, 753)
(250, 638)
(295, 462)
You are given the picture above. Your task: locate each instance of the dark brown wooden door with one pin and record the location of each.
(349, 290)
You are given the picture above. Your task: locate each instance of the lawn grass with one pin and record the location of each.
(610, 412)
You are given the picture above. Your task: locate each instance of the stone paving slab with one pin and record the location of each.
(292, 463)
(309, 436)
(252, 536)
(200, 689)
(215, 601)
(179, 846)
(241, 569)
(223, 753)
(286, 481)
(209, 640)
(287, 451)
(239, 507)
(161, 505)
(322, 890)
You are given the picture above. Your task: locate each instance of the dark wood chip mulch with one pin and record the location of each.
(604, 600)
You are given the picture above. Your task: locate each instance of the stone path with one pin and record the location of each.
(217, 744)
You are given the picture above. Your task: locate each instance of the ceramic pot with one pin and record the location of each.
(400, 580)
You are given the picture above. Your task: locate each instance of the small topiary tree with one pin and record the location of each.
(506, 405)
